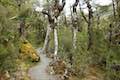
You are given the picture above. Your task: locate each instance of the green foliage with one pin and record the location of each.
(8, 56)
(36, 29)
(10, 14)
(103, 54)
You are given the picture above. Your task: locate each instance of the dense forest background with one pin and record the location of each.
(88, 43)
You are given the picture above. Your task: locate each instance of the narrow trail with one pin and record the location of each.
(39, 72)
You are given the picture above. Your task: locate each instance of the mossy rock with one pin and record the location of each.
(27, 51)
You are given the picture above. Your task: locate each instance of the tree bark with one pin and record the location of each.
(114, 10)
(55, 42)
(90, 22)
(74, 37)
(22, 28)
(47, 39)
(74, 23)
(53, 14)
(90, 38)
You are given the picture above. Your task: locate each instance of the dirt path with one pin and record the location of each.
(39, 72)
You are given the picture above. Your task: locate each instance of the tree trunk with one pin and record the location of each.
(90, 36)
(22, 28)
(74, 37)
(110, 34)
(47, 39)
(55, 42)
(114, 10)
(90, 22)
(53, 14)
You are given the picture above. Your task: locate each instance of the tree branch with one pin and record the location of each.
(48, 14)
(84, 17)
(59, 8)
(75, 5)
(45, 12)
(63, 4)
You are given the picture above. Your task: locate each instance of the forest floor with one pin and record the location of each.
(39, 72)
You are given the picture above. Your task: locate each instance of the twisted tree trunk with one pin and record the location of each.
(53, 14)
